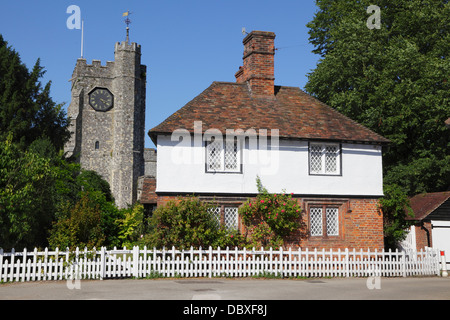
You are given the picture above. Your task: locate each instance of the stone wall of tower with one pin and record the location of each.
(111, 142)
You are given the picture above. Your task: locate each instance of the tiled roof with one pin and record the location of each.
(425, 203)
(297, 115)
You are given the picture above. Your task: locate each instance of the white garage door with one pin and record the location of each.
(441, 237)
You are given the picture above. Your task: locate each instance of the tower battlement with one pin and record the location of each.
(128, 47)
(96, 69)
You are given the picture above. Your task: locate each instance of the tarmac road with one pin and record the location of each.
(414, 288)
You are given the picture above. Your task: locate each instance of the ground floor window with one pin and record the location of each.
(324, 220)
(226, 216)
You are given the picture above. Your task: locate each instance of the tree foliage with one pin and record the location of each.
(25, 205)
(271, 218)
(188, 222)
(394, 80)
(394, 204)
(38, 185)
(26, 109)
(82, 228)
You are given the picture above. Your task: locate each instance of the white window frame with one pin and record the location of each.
(318, 154)
(221, 167)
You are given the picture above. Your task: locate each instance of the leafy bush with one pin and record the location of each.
(395, 206)
(271, 218)
(188, 222)
(81, 229)
(131, 227)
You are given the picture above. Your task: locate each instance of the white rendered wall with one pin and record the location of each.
(181, 168)
(441, 237)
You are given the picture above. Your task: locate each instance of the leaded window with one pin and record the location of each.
(215, 212)
(324, 158)
(223, 156)
(324, 224)
(332, 221)
(231, 218)
(226, 216)
(315, 215)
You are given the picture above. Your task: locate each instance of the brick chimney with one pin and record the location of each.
(258, 69)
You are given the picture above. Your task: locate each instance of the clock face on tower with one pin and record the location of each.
(101, 99)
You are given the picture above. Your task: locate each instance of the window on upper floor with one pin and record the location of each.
(324, 158)
(223, 156)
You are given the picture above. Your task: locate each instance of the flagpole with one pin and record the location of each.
(82, 36)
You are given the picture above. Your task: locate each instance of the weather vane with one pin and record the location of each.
(127, 22)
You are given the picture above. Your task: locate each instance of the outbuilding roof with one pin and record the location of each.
(425, 204)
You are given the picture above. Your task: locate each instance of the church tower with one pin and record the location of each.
(107, 119)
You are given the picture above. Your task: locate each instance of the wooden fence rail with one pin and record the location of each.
(143, 263)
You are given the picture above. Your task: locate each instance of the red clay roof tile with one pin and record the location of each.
(297, 115)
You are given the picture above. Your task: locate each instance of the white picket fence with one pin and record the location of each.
(144, 263)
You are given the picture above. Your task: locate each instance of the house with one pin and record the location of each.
(431, 222)
(233, 132)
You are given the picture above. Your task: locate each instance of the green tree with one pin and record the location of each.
(394, 80)
(25, 204)
(394, 204)
(74, 187)
(38, 184)
(26, 109)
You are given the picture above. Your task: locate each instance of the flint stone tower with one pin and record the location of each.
(107, 116)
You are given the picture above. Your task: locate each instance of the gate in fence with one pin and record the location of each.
(143, 263)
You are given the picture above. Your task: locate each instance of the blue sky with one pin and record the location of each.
(186, 45)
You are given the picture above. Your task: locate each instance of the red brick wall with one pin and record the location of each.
(258, 69)
(360, 224)
(147, 190)
(423, 235)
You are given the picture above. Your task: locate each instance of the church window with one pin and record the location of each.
(97, 145)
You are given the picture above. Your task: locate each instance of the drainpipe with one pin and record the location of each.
(427, 232)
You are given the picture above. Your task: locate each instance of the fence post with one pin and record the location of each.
(404, 263)
(1, 263)
(444, 264)
(135, 261)
(24, 264)
(347, 264)
(102, 262)
(210, 261)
